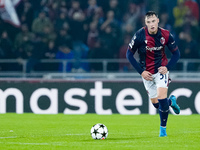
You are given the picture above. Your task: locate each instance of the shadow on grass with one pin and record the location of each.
(130, 138)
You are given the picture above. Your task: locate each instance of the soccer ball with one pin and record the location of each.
(99, 131)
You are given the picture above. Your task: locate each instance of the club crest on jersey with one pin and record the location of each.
(162, 40)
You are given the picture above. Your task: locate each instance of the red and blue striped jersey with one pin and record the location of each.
(151, 48)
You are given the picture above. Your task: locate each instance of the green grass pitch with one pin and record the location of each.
(126, 132)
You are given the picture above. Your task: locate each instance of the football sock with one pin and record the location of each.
(156, 105)
(169, 101)
(163, 111)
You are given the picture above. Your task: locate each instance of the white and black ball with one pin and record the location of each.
(99, 131)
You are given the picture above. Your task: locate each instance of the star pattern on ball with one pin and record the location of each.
(102, 126)
(95, 131)
(104, 134)
(99, 131)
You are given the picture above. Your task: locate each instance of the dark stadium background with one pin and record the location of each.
(66, 44)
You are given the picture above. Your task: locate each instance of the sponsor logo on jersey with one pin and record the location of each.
(154, 48)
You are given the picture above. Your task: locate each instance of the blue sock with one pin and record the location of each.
(163, 111)
(169, 101)
(156, 105)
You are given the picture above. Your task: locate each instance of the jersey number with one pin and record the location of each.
(163, 76)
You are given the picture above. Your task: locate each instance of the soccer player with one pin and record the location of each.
(153, 66)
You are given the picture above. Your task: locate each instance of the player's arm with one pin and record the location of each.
(132, 48)
(175, 52)
(132, 60)
(145, 74)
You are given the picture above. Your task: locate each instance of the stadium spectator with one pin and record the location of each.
(98, 16)
(48, 34)
(189, 49)
(124, 67)
(193, 7)
(36, 54)
(77, 26)
(61, 21)
(63, 7)
(53, 10)
(92, 8)
(179, 13)
(97, 52)
(50, 51)
(153, 5)
(114, 6)
(23, 45)
(6, 49)
(50, 54)
(78, 33)
(27, 14)
(110, 44)
(130, 19)
(109, 35)
(75, 8)
(41, 22)
(63, 38)
(23, 37)
(164, 21)
(188, 46)
(93, 35)
(109, 20)
(94, 22)
(66, 53)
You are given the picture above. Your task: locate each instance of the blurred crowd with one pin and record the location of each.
(91, 29)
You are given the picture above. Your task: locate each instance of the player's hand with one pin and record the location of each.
(147, 75)
(163, 70)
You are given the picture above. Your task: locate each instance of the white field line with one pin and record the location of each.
(19, 143)
(53, 144)
(9, 137)
(77, 134)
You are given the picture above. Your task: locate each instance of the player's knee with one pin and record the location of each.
(162, 96)
(162, 93)
(154, 100)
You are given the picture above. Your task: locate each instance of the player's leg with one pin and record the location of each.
(171, 101)
(162, 82)
(172, 98)
(151, 89)
(155, 102)
(163, 110)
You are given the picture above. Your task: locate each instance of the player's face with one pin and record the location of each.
(152, 24)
